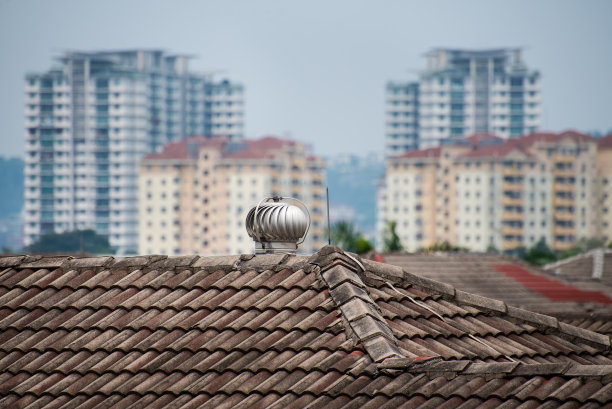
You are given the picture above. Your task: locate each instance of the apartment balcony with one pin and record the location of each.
(564, 231)
(511, 201)
(565, 202)
(561, 245)
(563, 172)
(513, 216)
(564, 216)
(512, 231)
(317, 190)
(557, 157)
(512, 187)
(510, 245)
(564, 187)
(512, 172)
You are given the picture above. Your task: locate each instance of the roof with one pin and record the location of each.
(501, 150)
(605, 142)
(490, 146)
(521, 144)
(509, 280)
(246, 149)
(601, 323)
(530, 139)
(592, 267)
(482, 138)
(260, 148)
(420, 153)
(331, 330)
(184, 149)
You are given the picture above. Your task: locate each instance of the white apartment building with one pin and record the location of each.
(463, 92)
(196, 193)
(90, 121)
(485, 192)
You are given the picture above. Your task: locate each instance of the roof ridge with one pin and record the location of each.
(586, 254)
(154, 262)
(485, 303)
(361, 316)
(499, 369)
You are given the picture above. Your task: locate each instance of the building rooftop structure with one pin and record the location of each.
(591, 267)
(331, 330)
(488, 145)
(485, 192)
(566, 290)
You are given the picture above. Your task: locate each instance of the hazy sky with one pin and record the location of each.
(316, 70)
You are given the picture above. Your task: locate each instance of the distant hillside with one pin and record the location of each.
(11, 186)
(352, 185)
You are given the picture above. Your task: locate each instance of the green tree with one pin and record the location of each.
(363, 245)
(391, 241)
(71, 242)
(348, 237)
(444, 246)
(539, 254)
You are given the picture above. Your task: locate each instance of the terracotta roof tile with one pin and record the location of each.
(277, 331)
(605, 141)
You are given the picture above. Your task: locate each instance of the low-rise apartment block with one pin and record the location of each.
(196, 193)
(486, 192)
(604, 199)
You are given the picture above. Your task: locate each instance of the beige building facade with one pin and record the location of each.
(485, 192)
(604, 199)
(196, 193)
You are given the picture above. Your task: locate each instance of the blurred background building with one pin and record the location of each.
(460, 93)
(486, 192)
(195, 194)
(90, 120)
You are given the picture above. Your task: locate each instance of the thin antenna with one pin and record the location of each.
(328, 226)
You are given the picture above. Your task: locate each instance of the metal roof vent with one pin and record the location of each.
(277, 226)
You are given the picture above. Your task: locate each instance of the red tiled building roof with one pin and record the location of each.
(477, 138)
(509, 280)
(247, 149)
(605, 141)
(185, 148)
(260, 148)
(420, 153)
(498, 147)
(278, 331)
(496, 151)
(552, 137)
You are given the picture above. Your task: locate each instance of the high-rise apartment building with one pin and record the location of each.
(463, 92)
(485, 191)
(89, 122)
(196, 193)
